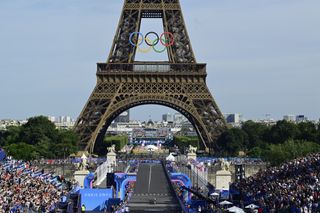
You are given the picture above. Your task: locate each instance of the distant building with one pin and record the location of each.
(52, 119)
(124, 117)
(301, 118)
(233, 118)
(9, 122)
(290, 118)
(178, 118)
(167, 117)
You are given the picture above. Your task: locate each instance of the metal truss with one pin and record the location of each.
(123, 83)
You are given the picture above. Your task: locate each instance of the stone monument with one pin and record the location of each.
(192, 153)
(111, 155)
(223, 176)
(82, 171)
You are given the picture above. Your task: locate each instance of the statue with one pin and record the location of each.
(225, 165)
(112, 149)
(83, 165)
(192, 149)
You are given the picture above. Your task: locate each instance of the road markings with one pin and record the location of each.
(150, 171)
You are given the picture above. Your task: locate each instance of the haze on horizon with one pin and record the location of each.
(262, 56)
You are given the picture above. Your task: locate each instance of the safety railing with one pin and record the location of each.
(160, 67)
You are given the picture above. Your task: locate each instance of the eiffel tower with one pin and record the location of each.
(123, 83)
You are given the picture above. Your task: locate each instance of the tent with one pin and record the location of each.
(170, 157)
(225, 203)
(235, 209)
(214, 194)
(252, 206)
(151, 148)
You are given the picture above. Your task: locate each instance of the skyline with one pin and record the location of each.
(263, 57)
(265, 117)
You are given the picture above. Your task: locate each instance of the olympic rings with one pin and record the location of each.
(135, 33)
(158, 51)
(166, 39)
(146, 50)
(154, 43)
(171, 41)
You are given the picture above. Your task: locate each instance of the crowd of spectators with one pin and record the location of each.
(123, 206)
(26, 187)
(231, 160)
(292, 187)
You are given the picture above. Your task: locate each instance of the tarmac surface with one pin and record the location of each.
(152, 192)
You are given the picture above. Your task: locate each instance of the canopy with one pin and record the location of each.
(235, 209)
(214, 194)
(252, 206)
(151, 147)
(225, 203)
(170, 157)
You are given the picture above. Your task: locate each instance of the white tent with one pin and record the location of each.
(225, 203)
(151, 148)
(170, 157)
(252, 206)
(235, 209)
(214, 194)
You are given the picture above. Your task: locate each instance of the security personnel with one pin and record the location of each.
(83, 208)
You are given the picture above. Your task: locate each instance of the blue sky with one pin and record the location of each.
(263, 56)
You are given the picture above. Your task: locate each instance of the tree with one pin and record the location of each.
(232, 141)
(2, 138)
(38, 129)
(318, 133)
(291, 149)
(255, 132)
(183, 142)
(307, 131)
(282, 132)
(66, 144)
(40, 138)
(22, 151)
(119, 141)
(12, 135)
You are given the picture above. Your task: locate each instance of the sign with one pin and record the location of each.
(95, 199)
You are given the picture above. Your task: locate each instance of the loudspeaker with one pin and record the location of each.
(110, 180)
(239, 172)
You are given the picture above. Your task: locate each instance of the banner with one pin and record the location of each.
(95, 199)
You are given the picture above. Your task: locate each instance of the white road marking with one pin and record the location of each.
(150, 171)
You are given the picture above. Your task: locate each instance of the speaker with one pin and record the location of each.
(239, 171)
(110, 180)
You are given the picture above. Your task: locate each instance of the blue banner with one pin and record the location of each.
(2, 154)
(95, 199)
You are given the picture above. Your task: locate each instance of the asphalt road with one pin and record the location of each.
(152, 192)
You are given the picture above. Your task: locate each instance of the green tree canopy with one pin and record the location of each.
(256, 132)
(39, 138)
(232, 141)
(291, 149)
(37, 130)
(307, 131)
(282, 132)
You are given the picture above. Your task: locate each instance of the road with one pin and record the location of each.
(152, 192)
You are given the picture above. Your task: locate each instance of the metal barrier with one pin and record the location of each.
(183, 208)
(102, 171)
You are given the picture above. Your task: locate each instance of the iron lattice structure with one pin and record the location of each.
(123, 83)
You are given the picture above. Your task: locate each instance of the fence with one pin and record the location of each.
(102, 170)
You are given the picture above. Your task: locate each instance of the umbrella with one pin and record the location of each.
(235, 209)
(252, 206)
(214, 194)
(225, 203)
